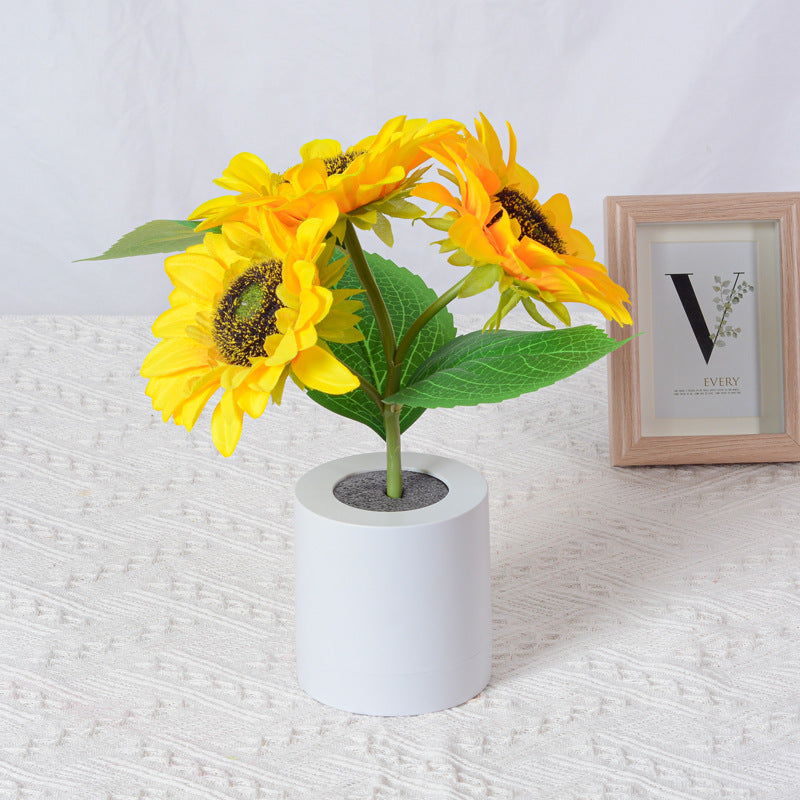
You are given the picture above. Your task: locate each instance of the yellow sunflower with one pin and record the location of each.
(367, 181)
(255, 184)
(497, 222)
(245, 324)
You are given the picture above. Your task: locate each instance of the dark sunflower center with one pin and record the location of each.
(245, 315)
(338, 164)
(532, 221)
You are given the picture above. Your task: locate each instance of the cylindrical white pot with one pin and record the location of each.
(393, 609)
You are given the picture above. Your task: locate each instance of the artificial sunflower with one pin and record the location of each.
(368, 181)
(245, 324)
(497, 226)
(255, 184)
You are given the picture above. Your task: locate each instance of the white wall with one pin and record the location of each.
(119, 112)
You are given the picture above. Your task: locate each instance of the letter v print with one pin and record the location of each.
(688, 298)
(683, 286)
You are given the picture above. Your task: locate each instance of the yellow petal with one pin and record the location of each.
(319, 369)
(321, 148)
(488, 135)
(468, 234)
(246, 173)
(299, 275)
(312, 231)
(512, 144)
(246, 241)
(523, 181)
(277, 391)
(174, 321)
(273, 341)
(308, 176)
(305, 337)
(577, 244)
(188, 410)
(436, 193)
(167, 392)
(476, 197)
(285, 318)
(285, 351)
(557, 210)
(199, 275)
(289, 299)
(327, 212)
(387, 131)
(314, 305)
(211, 208)
(174, 355)
(264, 377)
(278, 237)
(226, 424)
(253, 402)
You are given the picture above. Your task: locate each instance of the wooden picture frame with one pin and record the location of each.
(661, 408)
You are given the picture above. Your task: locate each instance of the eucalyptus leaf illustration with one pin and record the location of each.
(725, 299)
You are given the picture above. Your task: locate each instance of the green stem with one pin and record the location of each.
(423, 319)
(369, 390)
(394, 475)
(391, 412)
(374, 296)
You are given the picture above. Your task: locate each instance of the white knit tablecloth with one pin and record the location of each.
(646, 620)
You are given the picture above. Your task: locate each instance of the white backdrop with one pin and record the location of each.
(119, 112)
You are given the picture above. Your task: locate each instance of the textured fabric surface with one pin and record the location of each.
(645, 620)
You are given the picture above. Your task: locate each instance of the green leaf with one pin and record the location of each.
(383, 230)
(459, 259)
(398, 207)
(560, 310)
(497, 365)
(158, 236)
(438, 223)
(406, 296)
(365, 219)
(480, 279)
(534, 314)
(508, 301)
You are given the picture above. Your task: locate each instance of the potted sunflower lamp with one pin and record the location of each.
(393, 607)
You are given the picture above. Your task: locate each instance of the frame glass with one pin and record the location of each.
(712, 375)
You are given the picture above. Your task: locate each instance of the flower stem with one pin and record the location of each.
(424, 318)
(369, 390)
(390, 411)
(374, 296)
(394, 476)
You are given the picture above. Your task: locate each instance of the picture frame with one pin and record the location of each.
(706, 272)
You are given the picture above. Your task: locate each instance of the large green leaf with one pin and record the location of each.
(406, 296)
(158, 236)
(498, 365)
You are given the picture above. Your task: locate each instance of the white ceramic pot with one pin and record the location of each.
(393, 611)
